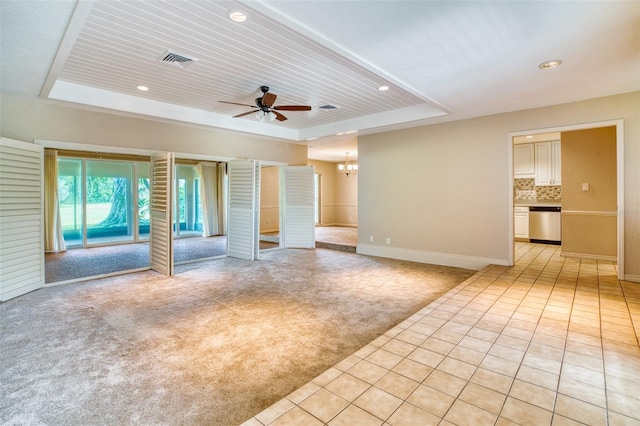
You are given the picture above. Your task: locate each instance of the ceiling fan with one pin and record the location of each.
(265, 108)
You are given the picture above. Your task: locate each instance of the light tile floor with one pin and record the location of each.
(552, 340)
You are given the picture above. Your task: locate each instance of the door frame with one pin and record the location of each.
(619, 125)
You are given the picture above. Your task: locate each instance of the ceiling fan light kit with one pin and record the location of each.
(265, 116)
(266, 110)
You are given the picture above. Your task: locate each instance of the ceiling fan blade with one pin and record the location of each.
(268, 99)
(235, 103)
(292, 107)
(243, 114)
(279, 116)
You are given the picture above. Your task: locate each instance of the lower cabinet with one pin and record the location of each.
(521, 222)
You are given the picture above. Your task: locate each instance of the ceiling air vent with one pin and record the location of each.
(169, 57)
(328, 107)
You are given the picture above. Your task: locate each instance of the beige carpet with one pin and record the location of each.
(344, 235)
(79, 263)
(213, 345)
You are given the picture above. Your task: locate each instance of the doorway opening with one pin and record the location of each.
(105, 214)
(619, 174)
(269, 207)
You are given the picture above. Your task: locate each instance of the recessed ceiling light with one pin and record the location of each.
(312, 139)
(383, 88)
(550, 64)
(143, 88)
(237, 16)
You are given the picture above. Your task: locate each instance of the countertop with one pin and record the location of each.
(536, 203)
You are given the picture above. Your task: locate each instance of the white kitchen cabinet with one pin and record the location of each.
(521, 222)
(556, 163)
(523, 161)
(547, 163)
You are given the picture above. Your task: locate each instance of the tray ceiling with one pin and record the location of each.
(441, 60)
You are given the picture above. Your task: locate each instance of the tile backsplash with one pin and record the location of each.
(526, 189)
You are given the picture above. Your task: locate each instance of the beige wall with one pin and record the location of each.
(346, 199)
(588, 226)
(440, 192)
(328, 173)
(270, 199)
(26, 119)
(339, 197)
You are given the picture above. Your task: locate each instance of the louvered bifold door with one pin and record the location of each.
(160, 205)
(21, 218)
(298, 219)
(243, 218)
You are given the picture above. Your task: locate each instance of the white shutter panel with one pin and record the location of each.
(298, 230)
(160, 199)
(256, 212)
(21, 218)
(243, 217)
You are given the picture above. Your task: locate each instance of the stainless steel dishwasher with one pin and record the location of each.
(545, 225)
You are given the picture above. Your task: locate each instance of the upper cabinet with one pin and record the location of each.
(523, 161)
(557, 163)
(547, 163)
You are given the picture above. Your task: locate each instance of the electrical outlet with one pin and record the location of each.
(370, 238)
(388, 240)
(585, 186)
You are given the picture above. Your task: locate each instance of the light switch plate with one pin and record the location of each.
(585, 186)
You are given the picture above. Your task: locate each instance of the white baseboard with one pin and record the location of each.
(589, 256)
(434, 258)
(632, 278)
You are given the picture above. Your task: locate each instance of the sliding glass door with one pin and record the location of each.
(109, 208)
(188, 208)
(103, 202)
(70, 193)
(142, 201)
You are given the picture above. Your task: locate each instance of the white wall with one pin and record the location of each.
(440, 192)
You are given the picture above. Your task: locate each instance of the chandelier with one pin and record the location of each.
(347, 168)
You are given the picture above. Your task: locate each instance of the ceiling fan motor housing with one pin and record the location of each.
(261, 106)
